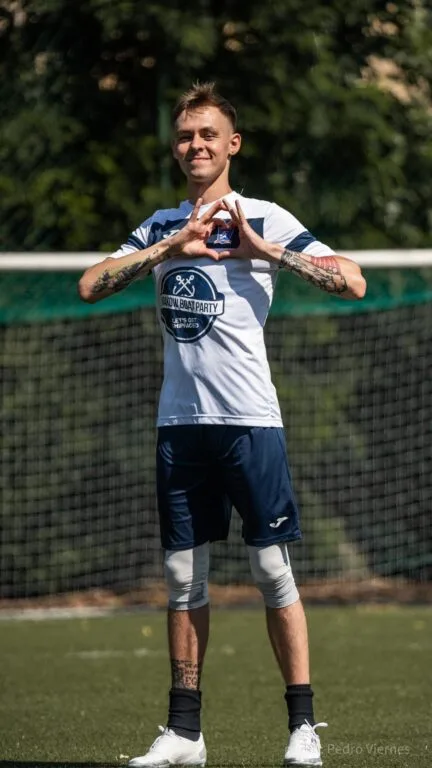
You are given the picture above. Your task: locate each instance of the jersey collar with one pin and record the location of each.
(231, 196)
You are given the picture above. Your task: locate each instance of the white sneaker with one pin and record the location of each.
(304, 746)
(170, 749)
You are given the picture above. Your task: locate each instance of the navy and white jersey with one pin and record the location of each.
(212, 315)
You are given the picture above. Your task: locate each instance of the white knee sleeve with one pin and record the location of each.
(186, 573)
(271, 570)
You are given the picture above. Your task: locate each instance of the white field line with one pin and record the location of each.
(112, 654)
(44, 614)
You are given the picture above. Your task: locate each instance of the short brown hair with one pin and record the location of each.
(202, 95)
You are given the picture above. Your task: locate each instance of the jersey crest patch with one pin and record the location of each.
(189, 303)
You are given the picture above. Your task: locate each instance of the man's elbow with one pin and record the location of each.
(358, 286)
(355, 284)
(92, 278)
(85, 290)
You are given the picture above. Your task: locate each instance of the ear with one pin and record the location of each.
(174, 149)
(234, 144)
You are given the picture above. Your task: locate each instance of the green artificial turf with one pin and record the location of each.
(91, 692)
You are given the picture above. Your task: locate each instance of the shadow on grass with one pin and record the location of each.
(30, 764)
(38, 764)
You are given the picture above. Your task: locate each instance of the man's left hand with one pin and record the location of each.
(252, 246)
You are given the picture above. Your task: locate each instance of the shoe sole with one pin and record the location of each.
(316, 762)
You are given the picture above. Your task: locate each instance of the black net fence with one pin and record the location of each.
(78, 403)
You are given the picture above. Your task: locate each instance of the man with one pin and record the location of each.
(220, 436)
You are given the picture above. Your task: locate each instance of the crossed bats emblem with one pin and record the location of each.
(183, 285)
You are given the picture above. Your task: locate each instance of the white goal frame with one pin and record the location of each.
(74, 262)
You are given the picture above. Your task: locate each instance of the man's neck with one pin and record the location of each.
(209, 192)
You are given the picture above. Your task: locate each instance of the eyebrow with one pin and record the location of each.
(189, 130)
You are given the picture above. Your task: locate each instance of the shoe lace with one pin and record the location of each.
(309, 737)
(164, 732)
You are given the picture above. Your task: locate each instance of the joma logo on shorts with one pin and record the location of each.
(278, 522)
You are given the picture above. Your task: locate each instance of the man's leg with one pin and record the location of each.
(181, 742)
(187, 637)
(188, 629)
(191, 509)
(288, 634)
(287, 628)
(258, 481)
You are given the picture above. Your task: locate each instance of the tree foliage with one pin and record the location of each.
(334, 103)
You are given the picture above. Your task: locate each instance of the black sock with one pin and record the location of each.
(300, 707)
(184, 714)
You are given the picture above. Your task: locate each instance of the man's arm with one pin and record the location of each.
(112, 275)
(333, 274)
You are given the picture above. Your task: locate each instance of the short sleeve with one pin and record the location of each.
(283, 228)
(138, 240)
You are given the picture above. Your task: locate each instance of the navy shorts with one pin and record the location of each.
(203, 470)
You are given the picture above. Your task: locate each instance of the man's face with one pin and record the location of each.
(203, 143)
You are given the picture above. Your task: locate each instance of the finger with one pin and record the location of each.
(240, 212)
(226, 205)
(222, 223)
(212, 254)
(195, 212)
(225, 254)
(208, 215)
(232, 253)
(232, 212)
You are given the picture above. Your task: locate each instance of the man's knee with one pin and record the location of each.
(271, 570)
(186, 574)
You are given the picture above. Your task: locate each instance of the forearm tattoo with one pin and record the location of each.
(115, 281)
(324, 271)
(185, 674)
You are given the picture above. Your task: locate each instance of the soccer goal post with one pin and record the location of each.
(79, 392)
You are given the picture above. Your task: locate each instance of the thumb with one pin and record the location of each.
(212, 254)
(233, 253)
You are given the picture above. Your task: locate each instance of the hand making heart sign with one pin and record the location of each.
(252, 245)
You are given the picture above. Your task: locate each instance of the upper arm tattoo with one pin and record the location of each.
(323, 271)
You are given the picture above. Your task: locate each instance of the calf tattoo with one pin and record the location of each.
(324, 271)
(121, 278)
(185, 674)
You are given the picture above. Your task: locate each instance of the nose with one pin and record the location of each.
(197, 142)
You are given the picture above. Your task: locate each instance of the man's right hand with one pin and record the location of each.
(191, 240)
(113, 275)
